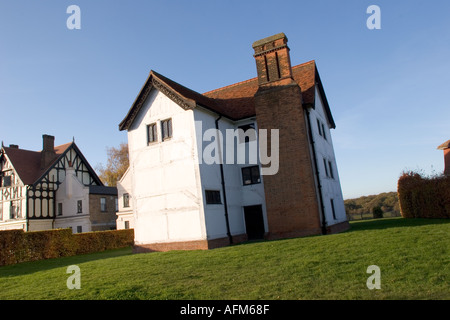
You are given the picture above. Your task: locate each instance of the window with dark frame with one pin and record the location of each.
(213, 197)
(323, 132)
(326, 168)
(126, 200)
(127, 224)
(79, 229)
(6, 181)
(79, 206)
(319, 127)
(332, 209)
(152, 135)
(251, 175)
(12, 211)
(166, 129)
(60, 209)
(331, 169)
(102, 204)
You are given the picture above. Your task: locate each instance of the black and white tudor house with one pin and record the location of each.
(53, 188)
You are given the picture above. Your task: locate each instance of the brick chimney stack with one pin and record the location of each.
(48, 150)
(291, 199)
(273, 62)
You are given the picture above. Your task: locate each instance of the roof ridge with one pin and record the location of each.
(252, 79)
(231, 85)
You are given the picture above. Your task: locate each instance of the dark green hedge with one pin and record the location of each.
(421, 197)
(18, 246)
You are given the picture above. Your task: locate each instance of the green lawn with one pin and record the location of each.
(413, 256)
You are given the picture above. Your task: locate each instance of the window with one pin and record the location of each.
(323, 132)
(213, 197)
(151, 133)
(166, 129)
(127, 224)
(102, 204)
(326, 168)
(331, 169)
(79, 229)
(79, 206)
(60, 209)
(321, 129)
(332, 209)
(248, 134)
(6, 181)
(12, 211)
(116, 202)
(250, 175)
(126, 200)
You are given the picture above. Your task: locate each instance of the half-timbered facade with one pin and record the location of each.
(52, 188)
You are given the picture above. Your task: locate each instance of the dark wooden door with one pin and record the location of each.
(254, 222)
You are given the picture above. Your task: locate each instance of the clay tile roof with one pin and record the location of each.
(444, 146)
(235, 101)
(28, 163)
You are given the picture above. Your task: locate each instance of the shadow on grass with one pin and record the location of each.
(372, 224)
(378, 224)
(24, 268)
(355, 226)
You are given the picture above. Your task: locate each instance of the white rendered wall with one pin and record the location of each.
(124, 186)
(237, 194)
(166, 193)
(331, 187)
(69, 192)
(40, 224)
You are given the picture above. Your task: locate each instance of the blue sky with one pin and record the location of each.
(388, 88)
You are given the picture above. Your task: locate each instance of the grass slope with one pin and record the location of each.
(413, 255)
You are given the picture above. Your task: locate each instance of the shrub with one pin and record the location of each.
(18, 246)
(12, 247)
(424, 197)
(103, 240)
(377, 212)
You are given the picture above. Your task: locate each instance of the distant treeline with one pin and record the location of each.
(387, 202)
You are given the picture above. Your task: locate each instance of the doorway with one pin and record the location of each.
(254, 222)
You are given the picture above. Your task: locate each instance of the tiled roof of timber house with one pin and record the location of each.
(235, 101)
(28, 163)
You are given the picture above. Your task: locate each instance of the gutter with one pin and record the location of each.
(319, 185)
(230, 238)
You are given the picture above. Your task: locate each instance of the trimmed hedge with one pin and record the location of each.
(18, 246)
(422, 197)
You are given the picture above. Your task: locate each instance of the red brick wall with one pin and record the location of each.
(188, 245)
(447, 162)
(291, 198)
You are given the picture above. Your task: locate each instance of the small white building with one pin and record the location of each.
(51, 189)
(125, 219)
(188, 188)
